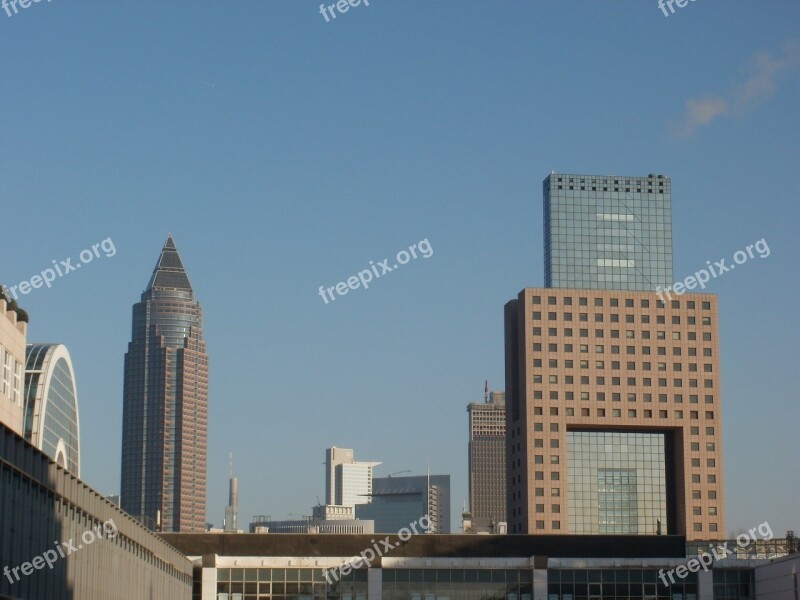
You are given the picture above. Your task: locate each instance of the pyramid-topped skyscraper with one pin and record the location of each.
(165, 411)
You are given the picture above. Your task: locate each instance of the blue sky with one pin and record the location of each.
(285, 153)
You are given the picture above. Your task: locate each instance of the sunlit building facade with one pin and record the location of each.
(165, 406)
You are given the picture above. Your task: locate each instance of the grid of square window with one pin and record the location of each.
(617, 482)
(617, 584)
(605, 232)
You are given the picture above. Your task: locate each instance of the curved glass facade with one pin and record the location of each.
(51, 404)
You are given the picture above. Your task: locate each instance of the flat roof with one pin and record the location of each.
(430, 545)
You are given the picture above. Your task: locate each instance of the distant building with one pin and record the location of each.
(332, 512)
(399, 501)
(13, 329)
(347, 482)
(232, 510)
(165, 405)
(265, 524)
(487, 462)
(52, 421)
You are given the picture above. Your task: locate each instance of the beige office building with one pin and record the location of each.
(13, 329)
(613, 413)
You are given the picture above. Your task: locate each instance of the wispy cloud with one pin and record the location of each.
(762, 83)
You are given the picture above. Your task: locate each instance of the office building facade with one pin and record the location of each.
(399, 501)
(607, 231)
(52, 420)
(463, 567)
(13, 329)
(165, 412)
(614, 419)
(487, 461)
(347, 482)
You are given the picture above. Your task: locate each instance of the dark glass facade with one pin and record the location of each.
(461, 584)
(607, 232)
(616, 584)
(165, 413)
(289, 584)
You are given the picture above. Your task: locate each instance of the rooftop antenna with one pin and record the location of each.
(486, 391)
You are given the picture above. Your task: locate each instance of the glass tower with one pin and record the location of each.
(165, 410)
(607, 232)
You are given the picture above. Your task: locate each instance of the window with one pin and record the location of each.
(537, 316)
(536, 299)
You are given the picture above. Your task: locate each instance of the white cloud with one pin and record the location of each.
(761, 84)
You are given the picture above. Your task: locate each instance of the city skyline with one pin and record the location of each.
(294, 151)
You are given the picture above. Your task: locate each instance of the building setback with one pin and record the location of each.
(614, 419)
(165, 412)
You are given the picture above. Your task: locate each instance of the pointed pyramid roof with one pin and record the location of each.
(169, 272)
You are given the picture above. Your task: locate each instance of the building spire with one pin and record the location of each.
(169, 273)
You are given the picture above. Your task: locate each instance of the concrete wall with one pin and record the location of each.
(94, 549)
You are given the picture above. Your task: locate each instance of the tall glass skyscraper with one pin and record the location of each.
(607, 232)
(165, 412)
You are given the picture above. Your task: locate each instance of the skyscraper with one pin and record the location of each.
(613, 417)
(165, 411)
(347, 482)
(607, 232)
(487, 461)
(232, 509)
(51, 405)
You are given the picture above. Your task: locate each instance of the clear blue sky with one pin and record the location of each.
(285, 153)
